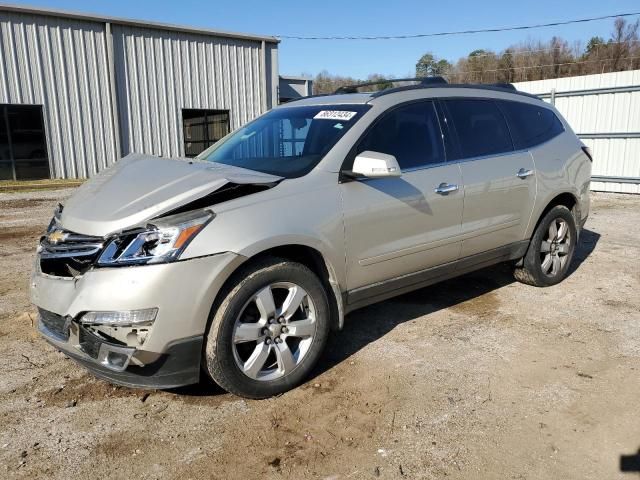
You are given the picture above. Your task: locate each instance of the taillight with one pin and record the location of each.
(587, 152)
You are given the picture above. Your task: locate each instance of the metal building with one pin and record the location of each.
(293, 88)
(79, 91)
(604, 110)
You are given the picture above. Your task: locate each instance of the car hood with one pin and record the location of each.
(141, 187)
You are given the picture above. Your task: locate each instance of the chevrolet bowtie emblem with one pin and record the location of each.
(56, 236)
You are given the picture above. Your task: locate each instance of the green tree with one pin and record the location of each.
(429, 66)
(594, 44)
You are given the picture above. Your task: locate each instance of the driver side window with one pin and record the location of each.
(411, 133)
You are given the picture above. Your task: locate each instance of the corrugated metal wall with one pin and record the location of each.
(158, 73)
(108, 89)
(606, 122)
(61, 65)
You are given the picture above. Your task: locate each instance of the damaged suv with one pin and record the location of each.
(238, 263)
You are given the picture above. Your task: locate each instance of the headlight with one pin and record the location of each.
(162, 241)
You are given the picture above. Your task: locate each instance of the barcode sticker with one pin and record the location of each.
(335, 115)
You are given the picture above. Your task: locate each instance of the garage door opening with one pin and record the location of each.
(203, 128)
(23, 145)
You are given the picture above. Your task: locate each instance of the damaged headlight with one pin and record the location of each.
(162, 241)
(53, 224)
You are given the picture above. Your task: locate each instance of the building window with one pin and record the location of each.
(203, 128)
(23, 146)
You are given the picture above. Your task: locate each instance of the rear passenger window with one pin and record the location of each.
(411, 133)
(530, 125)
(481, 127)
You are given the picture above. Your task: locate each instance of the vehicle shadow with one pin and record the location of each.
(368, 324)
(371, 323)
(588, 241)
(630, 463)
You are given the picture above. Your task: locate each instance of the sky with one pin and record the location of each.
(360, 58)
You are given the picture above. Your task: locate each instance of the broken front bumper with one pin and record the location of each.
(168, 354)
(179, 365)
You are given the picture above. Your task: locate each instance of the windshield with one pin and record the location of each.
(288, 141)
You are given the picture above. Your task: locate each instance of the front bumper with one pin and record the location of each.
(169, 356)
(178, 366)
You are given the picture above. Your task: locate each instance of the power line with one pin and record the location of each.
(461, 32)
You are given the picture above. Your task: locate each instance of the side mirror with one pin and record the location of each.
(375, 165)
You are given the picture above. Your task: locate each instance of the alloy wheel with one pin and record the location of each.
(554, 251)
(274, 330)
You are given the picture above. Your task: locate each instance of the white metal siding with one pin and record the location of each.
(272, 75)
(158, 73)
(62, 65)
(601, 113)
(294, 87)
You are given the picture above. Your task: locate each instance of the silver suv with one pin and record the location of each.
(238, 263)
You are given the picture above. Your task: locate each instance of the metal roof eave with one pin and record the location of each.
(50, 12)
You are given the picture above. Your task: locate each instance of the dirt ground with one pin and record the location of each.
(479, 377)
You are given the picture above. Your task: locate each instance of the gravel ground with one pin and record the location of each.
(478, 377)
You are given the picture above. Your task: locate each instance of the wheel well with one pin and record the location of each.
(309, 257)
(566, 199)
(314, 261)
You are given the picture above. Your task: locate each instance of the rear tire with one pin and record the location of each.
(551, 249)
(269, 329)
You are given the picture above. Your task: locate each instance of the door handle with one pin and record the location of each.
(524, 173)
(446, 188)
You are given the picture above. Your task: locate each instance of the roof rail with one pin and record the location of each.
(422, 81)
(508, 86)
(496, 87)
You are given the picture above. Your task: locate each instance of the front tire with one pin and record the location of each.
(269, 329)
(551, 249)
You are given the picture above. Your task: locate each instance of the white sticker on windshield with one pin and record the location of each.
(335, 115)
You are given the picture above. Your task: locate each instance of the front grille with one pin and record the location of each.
(55, 324)
(68, 254)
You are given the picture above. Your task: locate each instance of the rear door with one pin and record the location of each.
(397, 226)
(499, 182)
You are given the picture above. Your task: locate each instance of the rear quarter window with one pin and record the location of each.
(530, 125)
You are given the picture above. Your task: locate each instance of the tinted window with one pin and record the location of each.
(481, 127)
(411, 133)
(530, 124)
(286, 141)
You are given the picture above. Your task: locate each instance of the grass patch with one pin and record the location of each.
(9, 186)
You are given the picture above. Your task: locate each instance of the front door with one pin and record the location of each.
(398, 226)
